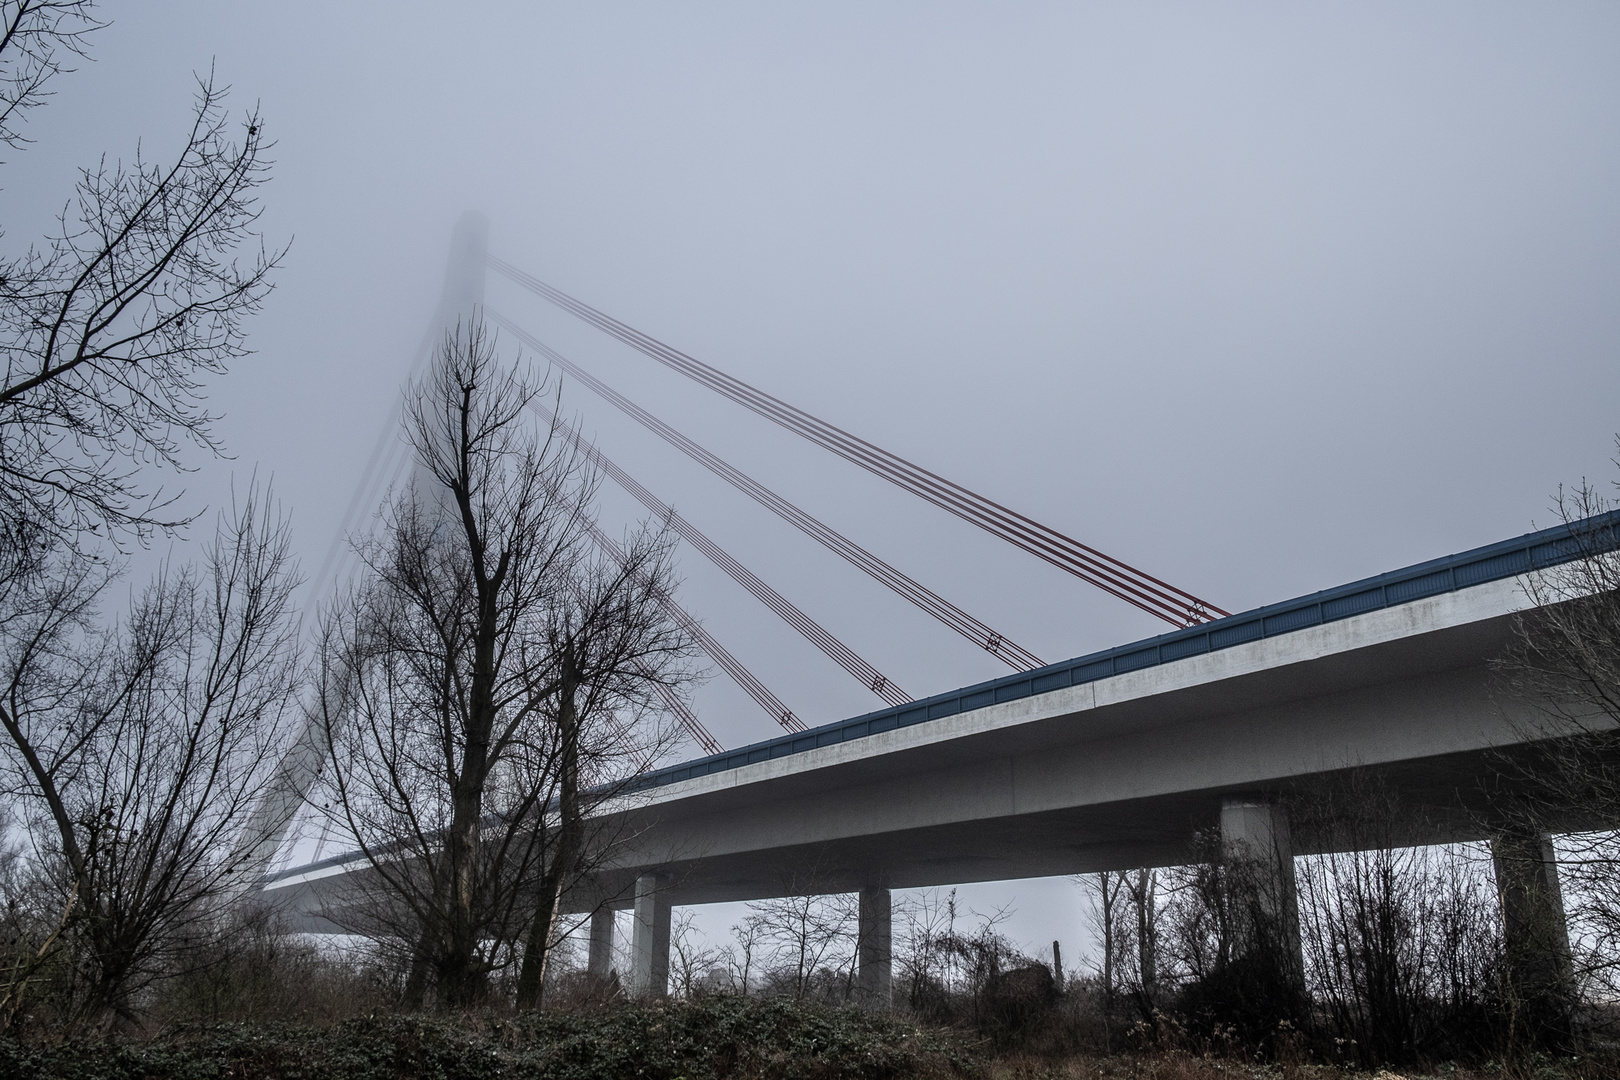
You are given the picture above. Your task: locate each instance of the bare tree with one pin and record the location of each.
(29, 929)
(808, 938)
(136, 750)
(130, 747)
(925, 919)
(692, 960)
(744, 955)
(1228, 941)
(488, 682)
(1402, 944)
(948, 971)
(1106, 901)
(110, 325)
(1565, 663)
(614, 647)
(1142, 889)
(1124, 914)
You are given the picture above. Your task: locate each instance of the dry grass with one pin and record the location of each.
(1182, 1066)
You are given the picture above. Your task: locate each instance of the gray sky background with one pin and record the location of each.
(1259, 298)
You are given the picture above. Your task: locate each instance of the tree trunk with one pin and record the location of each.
(570, 844)
(461, 978)
(1110, 891)
(416, 980)
(1146, 933)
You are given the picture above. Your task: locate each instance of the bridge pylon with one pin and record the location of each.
(278, 806)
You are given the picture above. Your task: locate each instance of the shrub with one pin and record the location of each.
(713, 1038)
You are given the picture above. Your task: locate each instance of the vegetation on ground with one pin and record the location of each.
(713, 1037)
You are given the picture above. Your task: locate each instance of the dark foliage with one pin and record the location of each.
(715, 1037)
(1013, 1001)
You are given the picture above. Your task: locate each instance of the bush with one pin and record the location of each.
(252, 969)
(709, 1039)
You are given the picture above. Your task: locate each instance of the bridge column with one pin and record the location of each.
(599, 962)
(1258, 854)
(1535, 932)
(875, 957)
(649, 943)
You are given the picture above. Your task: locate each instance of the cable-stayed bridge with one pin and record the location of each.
(1109, 761)
(390, 461)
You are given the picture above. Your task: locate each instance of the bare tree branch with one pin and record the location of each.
(34, 35)
(109, 330)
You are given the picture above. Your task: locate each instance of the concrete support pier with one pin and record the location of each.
(599, 960)
(874, 977)
(1259, 856)
(1534, 929)
(649, 943)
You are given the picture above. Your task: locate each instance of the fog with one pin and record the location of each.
(1258, 298)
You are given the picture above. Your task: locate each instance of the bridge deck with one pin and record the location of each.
(1494, 562)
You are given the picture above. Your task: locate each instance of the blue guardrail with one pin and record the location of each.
(1506, 559)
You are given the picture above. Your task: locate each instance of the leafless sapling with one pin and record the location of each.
(136, 749)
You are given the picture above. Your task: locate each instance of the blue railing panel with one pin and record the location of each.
(1188, 646)
(1342, 607)
(1417, 588)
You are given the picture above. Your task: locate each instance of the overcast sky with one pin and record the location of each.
(1259, 298)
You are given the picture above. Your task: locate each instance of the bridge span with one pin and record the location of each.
(1115, 760)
